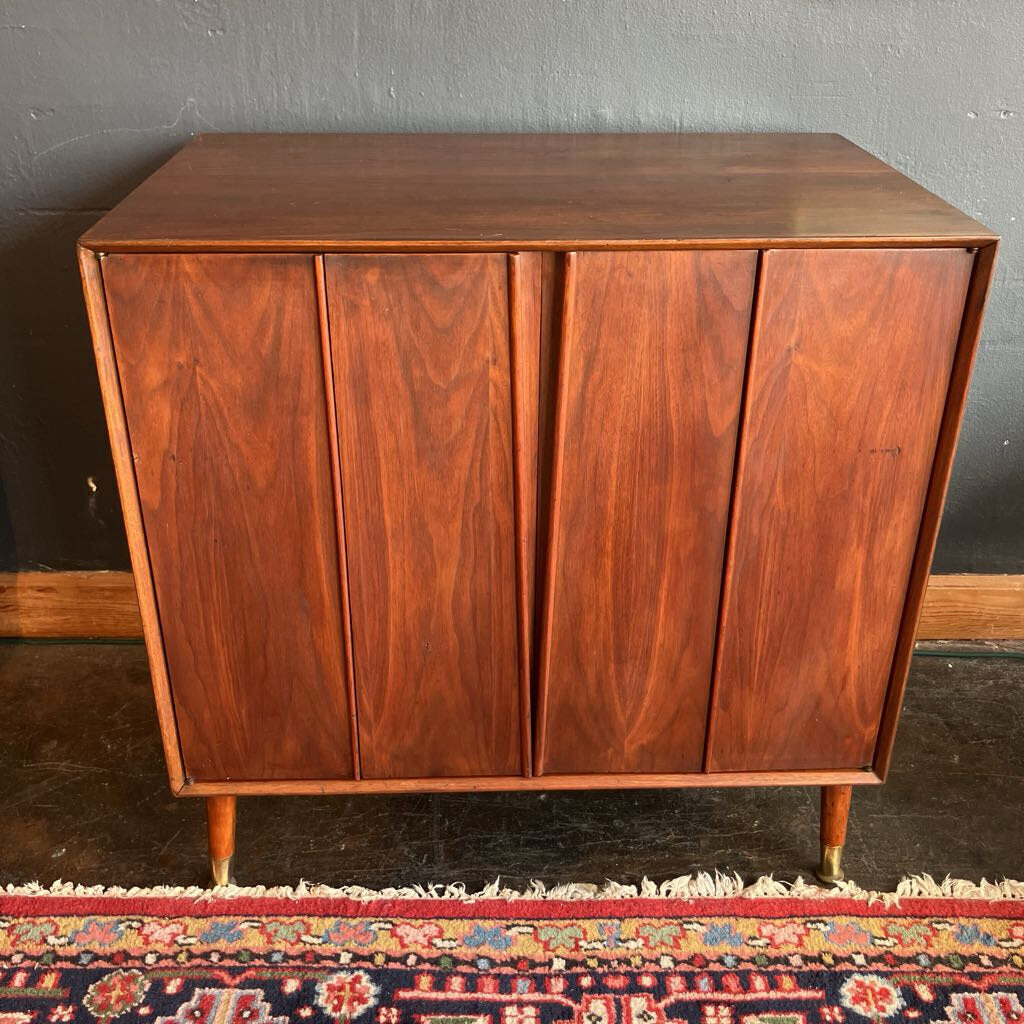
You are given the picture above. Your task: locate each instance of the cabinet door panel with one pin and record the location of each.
(650, 380)
(849, 369)
(420, 347)
(222, 375)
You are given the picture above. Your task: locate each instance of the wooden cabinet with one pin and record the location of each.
(496, 462)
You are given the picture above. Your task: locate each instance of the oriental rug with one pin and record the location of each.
(697, 950)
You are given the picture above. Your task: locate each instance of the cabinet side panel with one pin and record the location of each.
(420, 347)
(956, 400)
(120, 449)
(848, 377)
(650, 381)
(220, 365)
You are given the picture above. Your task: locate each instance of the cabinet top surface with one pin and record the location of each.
(337, 192)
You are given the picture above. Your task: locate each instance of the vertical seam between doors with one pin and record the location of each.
(554, 512)
(334, 443)
(739, 461)
(516, 331)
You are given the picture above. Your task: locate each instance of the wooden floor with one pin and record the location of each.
(84, 797)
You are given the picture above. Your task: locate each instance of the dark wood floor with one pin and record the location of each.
(84, 797)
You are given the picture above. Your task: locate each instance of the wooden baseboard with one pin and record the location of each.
(103, 604)
(973, 607)
(69, 604)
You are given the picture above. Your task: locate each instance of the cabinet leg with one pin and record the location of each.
(220, 824)
(835, 810)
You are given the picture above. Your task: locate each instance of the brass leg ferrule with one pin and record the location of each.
(222, 870)
(830, 870)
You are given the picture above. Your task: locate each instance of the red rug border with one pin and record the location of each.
(496, 909)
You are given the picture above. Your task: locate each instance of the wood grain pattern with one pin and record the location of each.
(220, 366)
(492, 784)
(339, 513)
(366, 192)
(421, 355)
(973, 607)
(131, 507)
(415, 425)
(835, 814)
(650, 377)
(983, 266)
(69, 604)
(850, 363)
(221, 818)
(729, 561)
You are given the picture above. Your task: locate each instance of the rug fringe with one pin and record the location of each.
(702, 885)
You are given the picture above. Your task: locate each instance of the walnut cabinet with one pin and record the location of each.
(503, 462)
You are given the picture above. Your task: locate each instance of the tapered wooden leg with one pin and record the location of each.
(220, 823)
(835, 810)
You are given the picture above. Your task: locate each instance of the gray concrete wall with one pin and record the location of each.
(94, 94)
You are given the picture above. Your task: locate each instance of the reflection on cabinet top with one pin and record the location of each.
(497, 192)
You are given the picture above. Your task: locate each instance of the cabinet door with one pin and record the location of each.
(649, 386)
(223, 382)
(850, 363)
(420, 347)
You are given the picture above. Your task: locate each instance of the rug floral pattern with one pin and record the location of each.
(434, 962)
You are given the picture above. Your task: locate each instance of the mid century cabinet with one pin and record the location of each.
(531, 462)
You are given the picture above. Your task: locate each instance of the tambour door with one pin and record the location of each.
(421, 353)
(222, 376)
(650, 377)
(850, 364)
